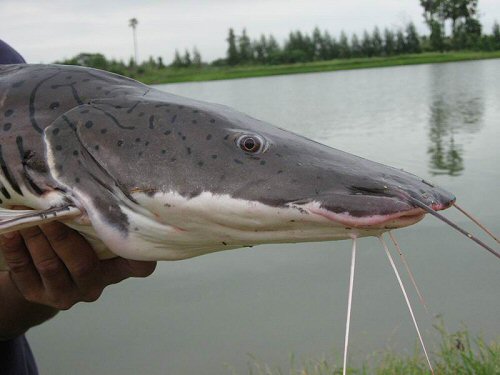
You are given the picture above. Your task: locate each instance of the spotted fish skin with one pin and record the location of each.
(31, 98)
(155, 171)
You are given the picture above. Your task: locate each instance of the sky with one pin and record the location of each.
(46, 31)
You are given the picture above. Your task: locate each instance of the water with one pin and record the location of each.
(205, 315)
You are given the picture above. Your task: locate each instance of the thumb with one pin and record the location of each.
(118, 269)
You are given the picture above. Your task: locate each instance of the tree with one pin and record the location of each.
(177, 63)
(151, 64)
(432, 10)
(331, 47)
(437, 38)
(197, 58)
(232, 51)
(245, 48)
(259, 48)
(186, 59)
(298, 48)
(318, 45)
(400, 42)
(389, 43)
(344, 48)
(273, 51)
(458, 11)
(495, 34)
(376, 42)
(355, 50)
(133, 24)
(412, 39)
(160, 63)
(366, 45)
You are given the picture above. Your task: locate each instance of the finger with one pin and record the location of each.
(118, 269)
(17, 257)
(141, 268)
(52, 271)
(78, 256)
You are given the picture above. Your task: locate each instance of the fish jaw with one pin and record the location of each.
(208, 223)
(374, 222)
(213, 222)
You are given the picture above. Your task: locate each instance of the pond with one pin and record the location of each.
(206, 315)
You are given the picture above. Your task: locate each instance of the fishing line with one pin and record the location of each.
(349, 304)
(477, 222)
(403, 259)
(453, 225)
(407, 300)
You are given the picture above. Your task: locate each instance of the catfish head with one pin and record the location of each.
(165, 177)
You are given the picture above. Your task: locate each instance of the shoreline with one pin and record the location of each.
(210, 73)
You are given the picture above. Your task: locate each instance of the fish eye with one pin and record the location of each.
(250, 143)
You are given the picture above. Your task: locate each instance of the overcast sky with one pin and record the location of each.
(45, 31)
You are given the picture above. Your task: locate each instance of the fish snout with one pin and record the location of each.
(429, 195)
(381, 206)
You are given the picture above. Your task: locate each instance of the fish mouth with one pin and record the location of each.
(388, 221)
(399, 219)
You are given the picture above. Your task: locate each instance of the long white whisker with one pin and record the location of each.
(407, 301)
(476, 221)
(349, 304)
(412, 278)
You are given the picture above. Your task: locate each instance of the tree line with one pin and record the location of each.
(459, 17)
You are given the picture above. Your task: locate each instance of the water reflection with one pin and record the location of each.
(456, 112)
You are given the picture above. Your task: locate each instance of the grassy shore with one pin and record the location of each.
(209, 73)
(457, 354)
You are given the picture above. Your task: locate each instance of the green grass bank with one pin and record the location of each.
(457, 354)
(210, 73)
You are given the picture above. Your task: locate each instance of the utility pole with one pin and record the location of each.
(133, 24)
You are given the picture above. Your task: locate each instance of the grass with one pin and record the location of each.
(457, 354)
(208, 73)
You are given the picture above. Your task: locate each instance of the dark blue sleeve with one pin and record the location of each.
(9, 55)
(16, 357)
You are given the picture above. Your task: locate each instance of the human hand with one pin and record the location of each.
(55, 266)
